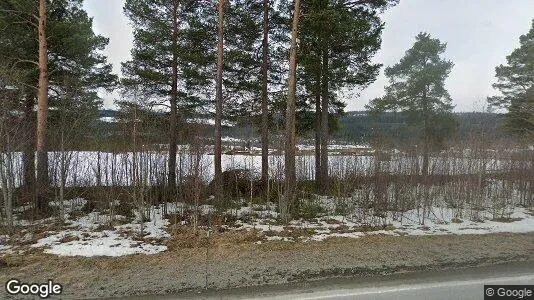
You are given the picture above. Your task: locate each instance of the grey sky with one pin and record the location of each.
(479, 35)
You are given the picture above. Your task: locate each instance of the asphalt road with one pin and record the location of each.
(468, 289)
(462, 284)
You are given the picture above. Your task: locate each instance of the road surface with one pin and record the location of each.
(462, 284)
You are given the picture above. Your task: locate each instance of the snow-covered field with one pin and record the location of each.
(87, 168)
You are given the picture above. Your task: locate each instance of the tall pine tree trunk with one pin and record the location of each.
(290, 177)
(42, 110)
(318, 134)
(426, 154)
(265, 103)
(324, 124)
(28, 157)
(426, 151)
(219, 191)
(173, 103)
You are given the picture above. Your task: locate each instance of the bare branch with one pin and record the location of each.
(25, 61)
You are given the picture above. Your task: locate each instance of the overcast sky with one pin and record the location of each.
(479, 35)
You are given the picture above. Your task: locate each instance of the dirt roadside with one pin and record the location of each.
(231, 265)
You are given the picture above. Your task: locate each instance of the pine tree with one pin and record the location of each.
(290, 180)
(255, 50)
(515, 81)
(18, 51)
(265, 101)
(417, 88)
(54, 39)
(338, 40)
(219, 191)
(171, 60)
(42, 107)
(520, 116)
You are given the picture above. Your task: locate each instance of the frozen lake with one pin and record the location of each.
(87, 168)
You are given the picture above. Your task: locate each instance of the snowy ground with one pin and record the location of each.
(440, 222)
(94, 234)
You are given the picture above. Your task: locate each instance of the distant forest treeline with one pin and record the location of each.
(353, 126)
(358, 126)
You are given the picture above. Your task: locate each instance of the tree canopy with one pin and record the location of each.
(515, 81)
(417, 81)
(150, 72)
(417, 88)
(75, 52)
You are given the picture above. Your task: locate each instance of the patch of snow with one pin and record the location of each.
(22, 208)
(105, 243)
(278, 238)
(347, 147)
(322, 236)
(108, 119)
(521, 221)
(206, 121)
(71, 204)
(155, 228)
(4, 246)
(83, 237)
(228, 139)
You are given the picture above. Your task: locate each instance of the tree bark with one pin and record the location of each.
(219, 191)
(42, 110)
(318, 134)
(173, 122)
(290, 177)
(28, 157)
(324, 124)
(265, 102)
(426, 151)
(426, 154)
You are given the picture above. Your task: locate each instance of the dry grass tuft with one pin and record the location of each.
(103, 227)
(69, 238)
(506, 220)
(184, 237)
(10, 261)
(344, 229)
(367, 228)
(331, 221)
(292, 232)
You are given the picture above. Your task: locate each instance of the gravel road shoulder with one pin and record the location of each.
(230, 265)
